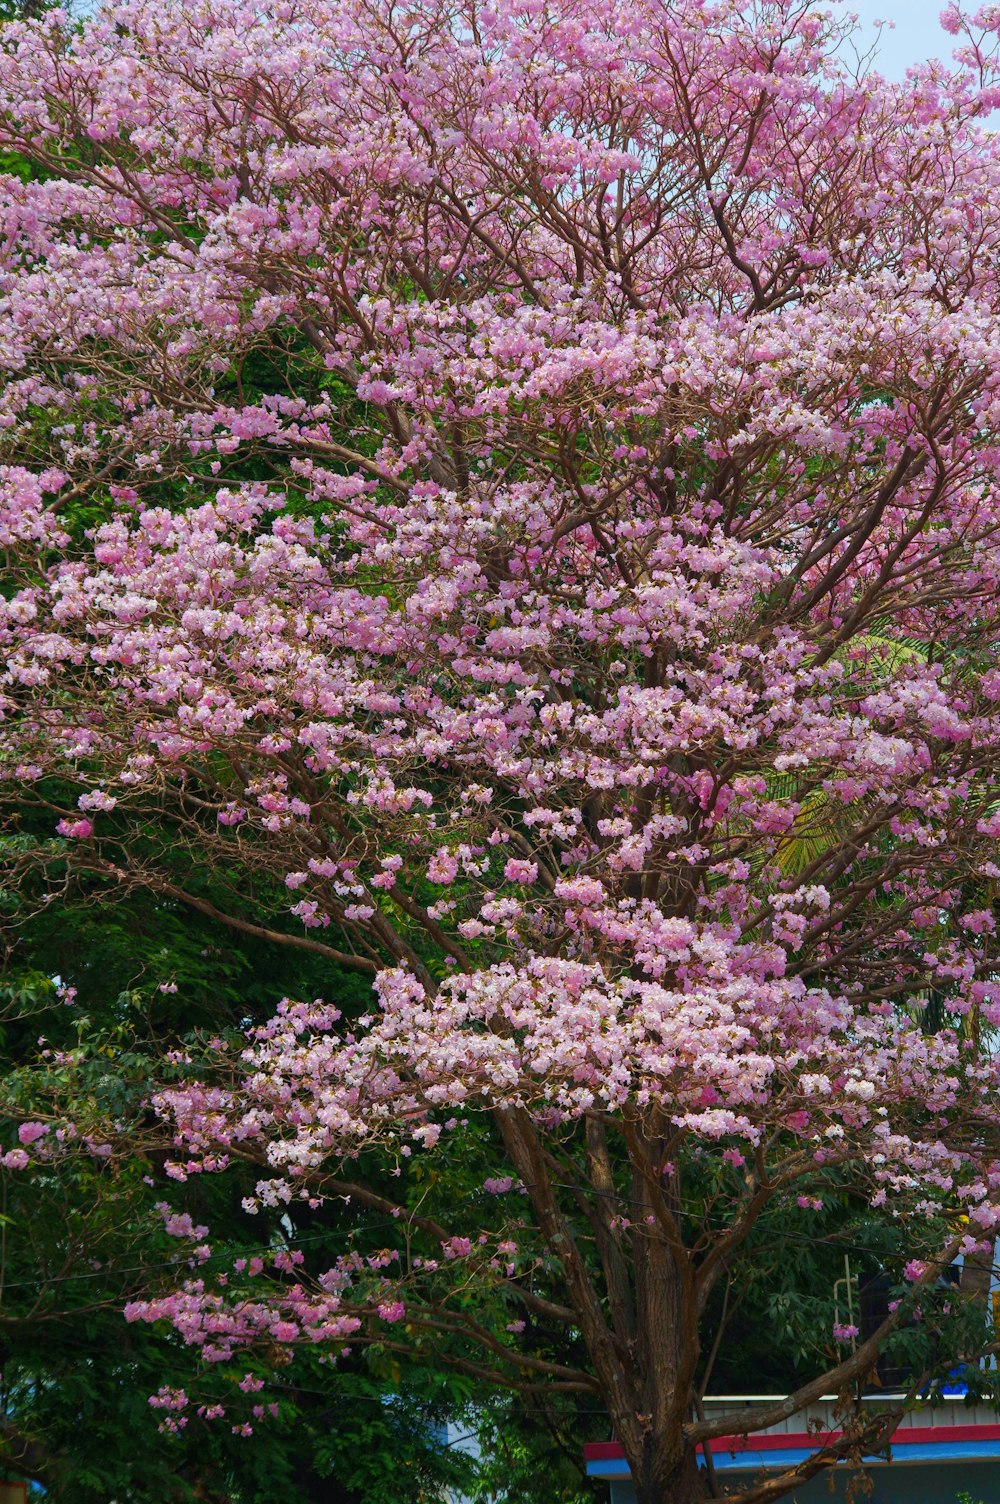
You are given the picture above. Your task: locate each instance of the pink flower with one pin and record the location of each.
(443, 866)
(97, 799)
(75, 830)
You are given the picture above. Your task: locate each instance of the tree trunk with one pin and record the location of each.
(975, 1282)
(658, 1479)
(977, 1275)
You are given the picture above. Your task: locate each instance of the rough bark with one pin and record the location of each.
(662, 1480)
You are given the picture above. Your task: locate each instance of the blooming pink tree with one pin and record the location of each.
(590, 626)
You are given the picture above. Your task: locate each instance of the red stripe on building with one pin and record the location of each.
(778, 1441)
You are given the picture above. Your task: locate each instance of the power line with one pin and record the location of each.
(833, 1241)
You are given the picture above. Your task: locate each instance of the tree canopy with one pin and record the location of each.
(500, 512)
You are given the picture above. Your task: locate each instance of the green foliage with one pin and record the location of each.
(81, 1238)
(531, 1452)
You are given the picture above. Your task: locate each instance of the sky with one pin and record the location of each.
(917, 35)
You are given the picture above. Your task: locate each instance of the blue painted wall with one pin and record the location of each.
(931, 1483)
